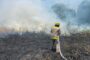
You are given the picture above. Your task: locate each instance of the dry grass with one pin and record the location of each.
(36, 46)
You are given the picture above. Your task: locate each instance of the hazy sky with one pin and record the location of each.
(37, 6)
(70, 3)
(22, 13)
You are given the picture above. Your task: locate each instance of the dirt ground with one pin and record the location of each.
(36, 46)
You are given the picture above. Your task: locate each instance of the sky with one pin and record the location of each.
(27, 13)
(70, 3)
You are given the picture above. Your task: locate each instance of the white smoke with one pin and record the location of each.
(25, 15)
(31, 15)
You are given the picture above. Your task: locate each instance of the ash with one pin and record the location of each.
(36, 46)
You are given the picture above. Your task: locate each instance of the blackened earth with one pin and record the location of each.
(36, 46)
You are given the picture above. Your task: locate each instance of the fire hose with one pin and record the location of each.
(58, 48)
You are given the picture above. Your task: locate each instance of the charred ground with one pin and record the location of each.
(36, 46)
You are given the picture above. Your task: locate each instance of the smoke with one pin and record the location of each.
(75, 20)
(40, 15)
(63, 12)
(83, 13)
(25, 15)
(67, 16)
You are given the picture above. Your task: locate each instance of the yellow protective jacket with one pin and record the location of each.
(55, 33)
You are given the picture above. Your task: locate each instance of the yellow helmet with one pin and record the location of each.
(57, 23)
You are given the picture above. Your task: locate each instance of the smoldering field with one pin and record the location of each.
(33, 15)
(36, 46)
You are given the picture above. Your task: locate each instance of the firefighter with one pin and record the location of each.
(55, 33)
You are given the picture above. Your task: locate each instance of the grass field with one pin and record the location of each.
(36, 46)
